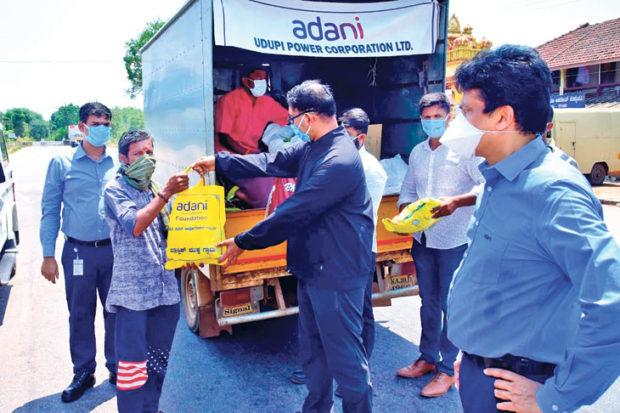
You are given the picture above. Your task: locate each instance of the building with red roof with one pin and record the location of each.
(587, 60)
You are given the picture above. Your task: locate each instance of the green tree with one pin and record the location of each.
(63, 117)
(124, 119)
(39, 129)
(17, 119)
(132, 59)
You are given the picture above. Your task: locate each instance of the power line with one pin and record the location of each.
(60, 61)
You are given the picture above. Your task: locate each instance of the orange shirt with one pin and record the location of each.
(244, 118)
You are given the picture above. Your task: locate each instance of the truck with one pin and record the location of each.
(592, 137)
(74, 136)
(381, 56)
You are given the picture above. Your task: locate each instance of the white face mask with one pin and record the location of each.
(260, 87)
(462, 137)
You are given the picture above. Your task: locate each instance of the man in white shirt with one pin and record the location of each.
(437, 172)
(355, 122)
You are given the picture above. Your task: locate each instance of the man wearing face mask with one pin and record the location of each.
(437, 172)
(242, 115)
(74, 184)
(355, 122)
(143, 295)
(535, 303)
(328, 226)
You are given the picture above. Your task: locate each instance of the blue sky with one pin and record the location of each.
(70, 51)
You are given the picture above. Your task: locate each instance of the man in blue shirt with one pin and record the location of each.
(535, 303)
(74, 183)
(328, 225)
(143, 294)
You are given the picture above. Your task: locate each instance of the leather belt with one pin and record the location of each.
(96, 244)
(516, 364)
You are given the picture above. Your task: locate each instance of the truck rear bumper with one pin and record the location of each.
(247, 318)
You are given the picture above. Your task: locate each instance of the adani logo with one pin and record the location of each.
(317, 30)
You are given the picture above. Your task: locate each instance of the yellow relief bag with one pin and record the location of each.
(196, 226)
(415, 217)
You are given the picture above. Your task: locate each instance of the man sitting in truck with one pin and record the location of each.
(328, 225)
(241, 117)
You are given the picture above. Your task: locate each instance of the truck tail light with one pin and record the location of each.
(235, 297)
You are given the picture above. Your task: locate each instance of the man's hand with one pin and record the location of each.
(447, 207)
(49, 269)
(204, 164)
(519, 391)
(178, 182)
(232, 252)
(457, 371)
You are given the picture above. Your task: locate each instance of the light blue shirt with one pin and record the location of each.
(541, 277)
(74, 183)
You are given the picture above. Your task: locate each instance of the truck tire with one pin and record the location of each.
(189, 297)
(598, 174)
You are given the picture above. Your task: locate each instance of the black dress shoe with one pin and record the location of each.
(81, 382)
(298, 377)
(112, 378)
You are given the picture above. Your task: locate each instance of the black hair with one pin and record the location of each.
(94, 109)
(511, 75)
(355, 118)
(312, 96)
(434, 99)
(130, 137)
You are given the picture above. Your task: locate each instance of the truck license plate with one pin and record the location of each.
(400, 281)
(237, 310)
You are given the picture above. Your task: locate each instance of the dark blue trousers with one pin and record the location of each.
(330, 337)
(477, 390)
(81, 292)
(435, 268)
(368, 330)
(143, 342)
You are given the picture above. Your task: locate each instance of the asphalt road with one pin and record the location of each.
(245, 372)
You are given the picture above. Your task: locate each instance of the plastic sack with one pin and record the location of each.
(415, 217)
(277, 137)
(396, 169)
(196, 226)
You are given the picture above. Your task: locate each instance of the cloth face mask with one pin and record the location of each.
(139, 173)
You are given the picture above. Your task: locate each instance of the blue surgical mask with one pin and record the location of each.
(98, 135)
(356, 141)
(297, 129)
(434, 128)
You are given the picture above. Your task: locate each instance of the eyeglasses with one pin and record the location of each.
(291, 119)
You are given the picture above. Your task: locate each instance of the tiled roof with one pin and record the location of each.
(609, 98)
(588, 44)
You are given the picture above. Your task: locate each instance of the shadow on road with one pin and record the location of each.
(249, 371)
(5, 292)
(88, 402)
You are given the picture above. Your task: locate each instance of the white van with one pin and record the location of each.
(592, 138)
(9, 230)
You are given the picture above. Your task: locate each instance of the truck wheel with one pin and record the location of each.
(598, 174)
(189, 296)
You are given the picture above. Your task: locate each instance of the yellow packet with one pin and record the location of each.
(196, 226)
(415, 217)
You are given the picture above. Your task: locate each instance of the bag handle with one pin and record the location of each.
(189, 168)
